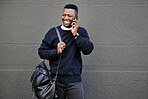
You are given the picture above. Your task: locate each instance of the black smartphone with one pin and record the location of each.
(76, 17)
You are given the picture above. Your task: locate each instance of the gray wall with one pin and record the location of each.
(116, 69)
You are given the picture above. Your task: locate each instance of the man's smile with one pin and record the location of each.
(66, 22)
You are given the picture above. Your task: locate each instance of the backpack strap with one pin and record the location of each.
(58, 33)
(60, 39)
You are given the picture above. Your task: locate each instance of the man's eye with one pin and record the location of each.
(70, 16)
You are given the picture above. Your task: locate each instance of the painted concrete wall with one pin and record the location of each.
(116, 69)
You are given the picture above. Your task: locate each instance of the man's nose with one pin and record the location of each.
(66, 17)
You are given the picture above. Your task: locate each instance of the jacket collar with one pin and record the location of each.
(65, 28)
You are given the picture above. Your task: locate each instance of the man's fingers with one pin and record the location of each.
(60, 47)
(63, 44)
(59, 50)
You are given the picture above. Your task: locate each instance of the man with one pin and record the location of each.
(74, 41)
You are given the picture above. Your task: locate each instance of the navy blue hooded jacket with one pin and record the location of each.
(71, 63)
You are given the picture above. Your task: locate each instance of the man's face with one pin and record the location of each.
(68, 16)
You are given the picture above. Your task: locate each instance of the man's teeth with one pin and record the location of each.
(66, 21)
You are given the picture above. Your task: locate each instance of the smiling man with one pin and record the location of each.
(75, 40)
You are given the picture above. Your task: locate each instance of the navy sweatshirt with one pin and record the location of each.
(71, 63)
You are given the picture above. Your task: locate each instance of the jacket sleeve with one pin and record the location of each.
(46, 51)
(83, 42)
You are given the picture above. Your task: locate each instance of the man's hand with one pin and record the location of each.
(60, 47)
(75, 25)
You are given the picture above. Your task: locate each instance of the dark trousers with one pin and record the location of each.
(69, 90)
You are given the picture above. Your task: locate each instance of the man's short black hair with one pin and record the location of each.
(71, 6)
